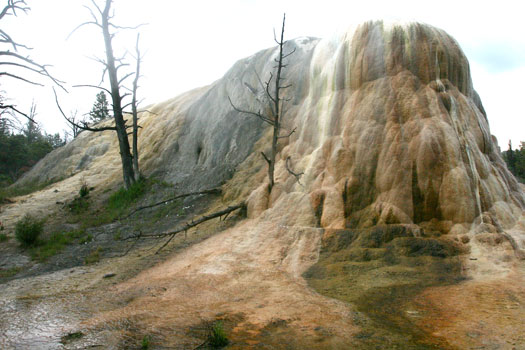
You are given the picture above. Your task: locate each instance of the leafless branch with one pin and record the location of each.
(82, 127)
(124, 78)
(13, 108)
(266, 158)
(93, 86)
(210, 191)
(289, 168)
(127, 28)
(258, 115)
(38, 68)
(285, 136)
(14, 5)
(290, 53)
(192, 224)
(19, 78)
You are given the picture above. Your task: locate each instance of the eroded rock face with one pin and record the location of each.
(389, 131)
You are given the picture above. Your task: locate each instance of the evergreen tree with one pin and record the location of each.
(100, 110)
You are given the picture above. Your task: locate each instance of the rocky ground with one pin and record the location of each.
(272, 285)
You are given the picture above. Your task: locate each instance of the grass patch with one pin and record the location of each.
(6, 273)
(117, 236)
(116, 206)
(93, 257)
(47, 248)
(71, 337)
(79, 205)
(3, 237)
(171, 208)
(22, 190)
(217, 338)
(145, 342)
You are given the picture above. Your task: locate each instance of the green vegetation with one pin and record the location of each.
(3, 237)
(79, 205)
(121, 200)
(379, 270)
(145, 342)
(28, 229)
(6, 273)
(515, 160)
(100, 110)
(117, 236)
(17, 190)
(86, 239)
(20, 151)
(71, 337)
(217, 338)
(171, 208)
(93, 257)
(47, 248)
(84, 190)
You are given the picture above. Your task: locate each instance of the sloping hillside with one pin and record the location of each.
(405, 230)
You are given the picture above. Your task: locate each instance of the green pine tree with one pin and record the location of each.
(100, 110)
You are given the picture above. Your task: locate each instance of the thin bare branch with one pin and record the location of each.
(124, 96)
(13, 108)
(82, 127)
(205, 218)
(14, 5)
(210, 191)
(93, 86)
(124, 78)
(81, 25)
(268, 90)
(258, 115)
(289, 169)
(40, 69)
(19, 78)
(285, 136)
(266, 158)
(126, 27)
(290, 53)
(8, 40)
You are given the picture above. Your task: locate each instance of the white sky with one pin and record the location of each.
(192, 43)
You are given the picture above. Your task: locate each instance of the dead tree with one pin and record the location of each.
(102, 18)
(134, 112)
(14, 61)
(273, 95)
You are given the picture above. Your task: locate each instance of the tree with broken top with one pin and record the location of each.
(274, 108)
(102, 18)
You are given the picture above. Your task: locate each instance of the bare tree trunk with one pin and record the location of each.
(275, 102)
(135, 117)
(120, 124)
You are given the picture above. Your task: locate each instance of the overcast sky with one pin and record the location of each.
(188, 44)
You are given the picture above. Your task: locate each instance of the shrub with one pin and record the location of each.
(3, 237)
(84, 190)
(218, 337)
(28, 229)
(79, 205)
(93, 257)
(145, 342)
